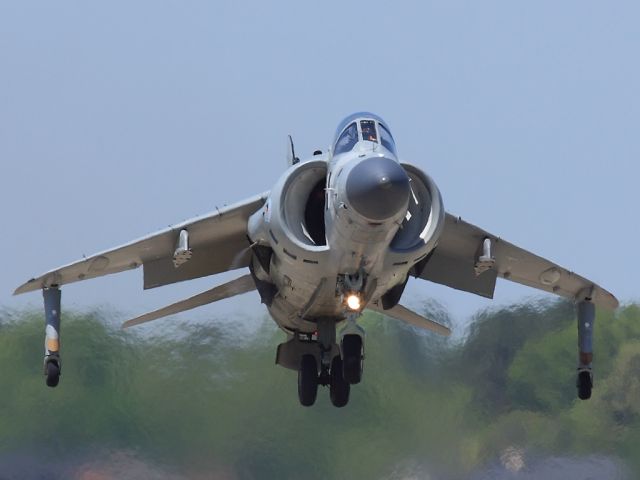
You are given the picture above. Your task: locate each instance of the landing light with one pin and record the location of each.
(353, 301)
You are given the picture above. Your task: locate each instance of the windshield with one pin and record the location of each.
(347, 140)
(368, 128)
(386, 139)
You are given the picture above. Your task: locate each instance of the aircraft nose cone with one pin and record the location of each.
(377, 188)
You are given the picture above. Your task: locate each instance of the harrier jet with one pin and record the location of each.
(338, 234)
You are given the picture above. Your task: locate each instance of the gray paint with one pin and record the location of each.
(459, 273)
(377, 188)
(586, 320)
(235, 287)
(461, 243)
(223, 230)
(52, 312)
(309, 282)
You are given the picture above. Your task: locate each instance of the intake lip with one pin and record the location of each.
(377, 188)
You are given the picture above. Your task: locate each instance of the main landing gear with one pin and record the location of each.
(339, 387)
(309, 379)
(323, 362)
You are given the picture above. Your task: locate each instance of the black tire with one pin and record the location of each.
(53, 374)
(584, 384)
(352, 358)
(308, 380)
(339, 388)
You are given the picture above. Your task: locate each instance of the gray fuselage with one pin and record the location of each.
(352, 222)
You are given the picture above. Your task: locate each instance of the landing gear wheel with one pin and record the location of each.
(339, 388)
(352, 358)
(308, 380)
(53, 374)
(584, 384)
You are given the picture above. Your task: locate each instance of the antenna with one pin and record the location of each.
(291, 153)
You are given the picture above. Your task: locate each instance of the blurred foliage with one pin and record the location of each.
(206, 398)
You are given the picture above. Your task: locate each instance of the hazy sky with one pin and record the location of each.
(119, 118)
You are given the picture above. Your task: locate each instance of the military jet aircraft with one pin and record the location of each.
(339, 233)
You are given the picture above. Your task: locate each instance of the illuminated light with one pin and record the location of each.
(353, 302)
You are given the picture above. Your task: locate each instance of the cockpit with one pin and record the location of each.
(362, 127)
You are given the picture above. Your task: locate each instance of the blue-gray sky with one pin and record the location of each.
(119, 118)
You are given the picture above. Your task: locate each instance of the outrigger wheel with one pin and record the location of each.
(308, 380)
(52, 371)
(584, 384)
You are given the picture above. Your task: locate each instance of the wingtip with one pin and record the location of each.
(611, 302)
(136, 321)
(29, 286)
(128, 324)
(21, 289)
(615, 303)
(442, 330)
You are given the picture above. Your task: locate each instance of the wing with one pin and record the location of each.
(217, 243)
(459, 262)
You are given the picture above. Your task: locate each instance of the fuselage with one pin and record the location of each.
(350, 223)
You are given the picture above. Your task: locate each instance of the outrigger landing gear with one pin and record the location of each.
(584, 383)
(586, 319)
(52, 371)
(52, 363)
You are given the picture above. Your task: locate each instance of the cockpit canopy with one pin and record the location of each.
(365, 127)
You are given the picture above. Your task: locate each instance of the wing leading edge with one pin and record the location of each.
(217, 243)
(458, 262)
